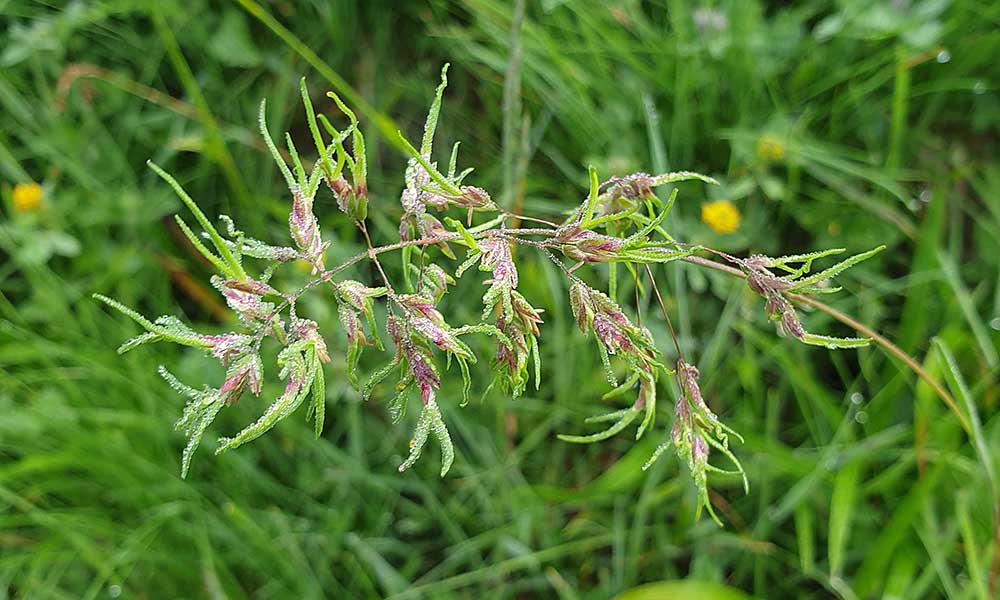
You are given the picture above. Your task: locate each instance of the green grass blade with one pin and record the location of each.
(430, 126)
(835, 269)
(269, 142)
(974, 567)
(200, 247)
(235, 269)
(842, 502)
(385, 124)
(324, 158)
(893, 533)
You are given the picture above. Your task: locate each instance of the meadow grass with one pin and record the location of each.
(863, 484)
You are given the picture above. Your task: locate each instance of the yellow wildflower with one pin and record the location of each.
(770, 147)
(721, 215)
(27, 196)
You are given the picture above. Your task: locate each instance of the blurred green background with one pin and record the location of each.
(844, 123)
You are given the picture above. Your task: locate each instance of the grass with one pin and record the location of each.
(863, 484)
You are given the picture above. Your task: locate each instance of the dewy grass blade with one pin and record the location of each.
(234, 267)
(385, 125)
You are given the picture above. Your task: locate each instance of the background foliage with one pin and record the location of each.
(846, 123)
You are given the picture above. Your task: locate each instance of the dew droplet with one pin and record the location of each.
(857, 398)
(995, 323)
(861, 417)
(114, 590)
(979, 88)
(943, 56)
(925, 196)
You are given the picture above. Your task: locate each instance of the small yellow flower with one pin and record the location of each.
(770, 147)
(721, 215)
(27, 196)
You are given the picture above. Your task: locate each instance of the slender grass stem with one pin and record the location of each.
(863, 329)
(385, 124)
(216, 143)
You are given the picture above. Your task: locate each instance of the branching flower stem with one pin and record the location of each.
(609, 226)
(843, 318)
(864, 330)
(479, 232)
(510, 234)
(663, 311)
(374, 257)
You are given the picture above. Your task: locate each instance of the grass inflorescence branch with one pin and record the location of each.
(620, 221)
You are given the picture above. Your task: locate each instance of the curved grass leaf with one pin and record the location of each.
(622, 419)
(430, 421)
(835, 269)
